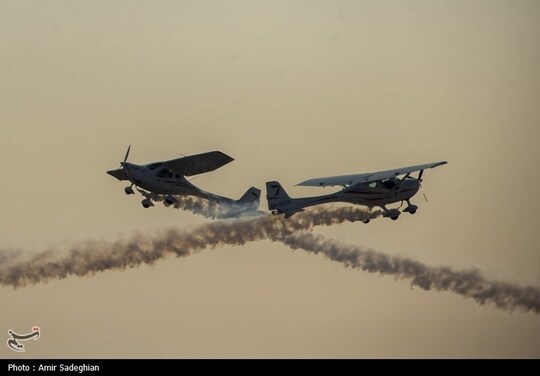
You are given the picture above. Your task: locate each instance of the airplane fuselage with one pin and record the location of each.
(166, 182)
(162, 181)
(368, 194)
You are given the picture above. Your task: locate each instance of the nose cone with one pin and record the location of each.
(118, 173)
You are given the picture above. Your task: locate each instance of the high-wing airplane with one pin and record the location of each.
(370, 189)
(168, 178)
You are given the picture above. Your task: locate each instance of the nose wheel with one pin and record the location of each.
(129, 190)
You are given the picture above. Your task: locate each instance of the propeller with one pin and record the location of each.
(425, 197)
(420, 182)
(126, 157)
(419, 179)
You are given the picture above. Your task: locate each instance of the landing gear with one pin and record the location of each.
(366, 221)
(129, 190)
(391, 213)
(410, 208)
(147, 203)
(169, 200)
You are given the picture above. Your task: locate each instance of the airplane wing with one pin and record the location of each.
(198, 163)
(348, 180)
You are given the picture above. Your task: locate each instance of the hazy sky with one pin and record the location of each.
(292, 90)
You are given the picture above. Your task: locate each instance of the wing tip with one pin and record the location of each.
(224, 155)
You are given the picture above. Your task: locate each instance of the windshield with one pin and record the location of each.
(153, 166)
(165, 173)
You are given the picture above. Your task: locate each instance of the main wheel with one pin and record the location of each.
(395, 217)
(413, 211)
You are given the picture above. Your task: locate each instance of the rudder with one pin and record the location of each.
(276, 196)
(252, 196)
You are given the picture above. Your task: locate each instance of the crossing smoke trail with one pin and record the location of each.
(91, 257)
(468, 283)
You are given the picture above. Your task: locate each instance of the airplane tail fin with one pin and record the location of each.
(278, 200)
(251, 197)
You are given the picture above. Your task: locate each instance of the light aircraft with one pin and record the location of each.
(168, 178)
(369, 189)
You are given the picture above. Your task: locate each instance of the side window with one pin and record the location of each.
(389, 184)
(165, 173)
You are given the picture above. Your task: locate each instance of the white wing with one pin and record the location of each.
(348, 180)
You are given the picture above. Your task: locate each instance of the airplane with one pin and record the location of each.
(168, 178)
(369, 189)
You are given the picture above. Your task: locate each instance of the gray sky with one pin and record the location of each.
(292, 90)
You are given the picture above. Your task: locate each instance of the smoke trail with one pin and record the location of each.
(9, 255)
(211, 209)
(207, 208)
(91, 257)
(468, 283)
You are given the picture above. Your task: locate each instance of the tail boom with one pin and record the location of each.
(279, 202)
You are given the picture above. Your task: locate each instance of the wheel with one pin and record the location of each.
(394, 217)
(413, 211)
(366, 221)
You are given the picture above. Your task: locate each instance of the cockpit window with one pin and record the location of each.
(153, 166)
(165, 173)
(388, 183)
(372, 185)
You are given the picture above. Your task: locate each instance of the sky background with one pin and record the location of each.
(292, 90)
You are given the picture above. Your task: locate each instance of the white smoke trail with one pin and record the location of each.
(89, 258)
(207, 208)
(468, 283)
(210, 209)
